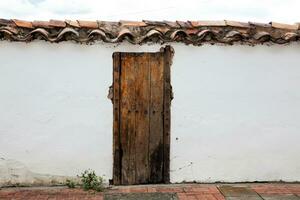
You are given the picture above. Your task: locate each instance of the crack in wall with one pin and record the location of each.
(183, 167)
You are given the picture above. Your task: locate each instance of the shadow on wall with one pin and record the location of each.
(15, 173)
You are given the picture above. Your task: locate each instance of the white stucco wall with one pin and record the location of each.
(235, 115)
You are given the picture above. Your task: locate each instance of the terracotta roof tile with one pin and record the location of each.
(237, 24)
(162, 29)
(107, 23)
(158, 23)
(41, 24)
(258, 24)
(57, 23)
(284, 26)
(132, 23)
(88, 24)
(169, 24)
(10, 30)
(73, 23)
(262, 36)
(192, 31)
(125, 32)
(189, 32)
(208, 23)
(183, 24)
(22, 23)
(5, 21)
(290, 36)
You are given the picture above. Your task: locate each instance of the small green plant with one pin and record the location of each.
(90, 181)
(70, 183)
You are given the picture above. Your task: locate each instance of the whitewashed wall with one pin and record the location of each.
(235, 115)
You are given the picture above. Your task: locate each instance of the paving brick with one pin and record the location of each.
(244, 198)
(295, 189)
(236, 191)
(49, 194)
(204, 190)
(219, 196)
(141, 196)
(119, 190)
(201, 189)
(138, 190)
(276, 189)
(184, 192)
(182, 196)
(280, 197)
(151, 189)
(206, 197)
(191, 196)
(239, 193)
(169, 189)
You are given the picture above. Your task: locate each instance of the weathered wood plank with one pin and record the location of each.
(127, 119)
(142, 117)
(167, 112)
(132, 115)
(156, 149)
(116, 119)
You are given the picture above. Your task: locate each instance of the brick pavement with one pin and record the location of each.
(276, 191)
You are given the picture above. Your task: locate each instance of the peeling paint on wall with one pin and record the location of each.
(15, 173)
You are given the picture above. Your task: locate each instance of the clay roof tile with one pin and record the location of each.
(258, 24)
(184, 24)
(88, 24)
(284, 26)
(6, 22)
(22, 23)
(156, 23)
(41, 24)
(132, 23)
(208, 23)
(72, 23)
(137, 32)
(57, 23)
(237, 24)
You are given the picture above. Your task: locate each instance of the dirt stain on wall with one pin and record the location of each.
(15, 173)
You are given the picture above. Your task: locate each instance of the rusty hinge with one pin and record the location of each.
(111, 93)
(172, 94)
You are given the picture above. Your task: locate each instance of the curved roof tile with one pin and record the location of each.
(188, 32)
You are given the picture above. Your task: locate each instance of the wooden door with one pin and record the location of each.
(141, 130)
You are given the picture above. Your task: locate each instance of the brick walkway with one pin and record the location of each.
(183, 191)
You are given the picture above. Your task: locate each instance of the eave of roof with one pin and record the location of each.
(188, 32)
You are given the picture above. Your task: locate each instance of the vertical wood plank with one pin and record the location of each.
(116, 112)
(156, 145)
(132, 117)
(127, 119)
(142, 117)
(167, 112)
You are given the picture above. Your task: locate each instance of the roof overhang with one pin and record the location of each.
(188, 32)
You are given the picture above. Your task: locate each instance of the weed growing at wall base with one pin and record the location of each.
(70, 183)
(90, 181)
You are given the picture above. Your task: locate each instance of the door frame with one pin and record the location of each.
(168, 53)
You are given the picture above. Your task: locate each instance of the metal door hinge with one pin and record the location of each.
(172, 94)
(111, 93)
